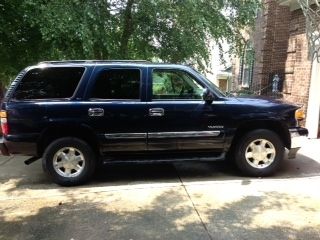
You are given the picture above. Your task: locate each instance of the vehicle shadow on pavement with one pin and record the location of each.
(163, 172)
(168, 216)
(136, 172)
(302, 166)
(126, 174)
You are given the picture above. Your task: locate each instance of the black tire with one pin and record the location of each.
(86, 164)
(264, 167)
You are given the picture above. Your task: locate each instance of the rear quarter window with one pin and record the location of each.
(44, 83)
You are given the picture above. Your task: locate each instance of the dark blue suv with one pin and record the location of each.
(77, 114)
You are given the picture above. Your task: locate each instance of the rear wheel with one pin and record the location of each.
(69, 161)
(259, 153)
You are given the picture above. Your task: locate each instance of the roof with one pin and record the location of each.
(92, 61)
(223, 75)
(110, 62)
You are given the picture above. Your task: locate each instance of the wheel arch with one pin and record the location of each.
(52, 133)
(276, 126)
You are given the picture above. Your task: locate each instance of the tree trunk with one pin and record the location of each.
(127, 29)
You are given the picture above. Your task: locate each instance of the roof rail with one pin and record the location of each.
(93, 61)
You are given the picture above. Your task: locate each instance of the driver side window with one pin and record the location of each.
(175, 84)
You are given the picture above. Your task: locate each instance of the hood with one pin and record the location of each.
(262, 101)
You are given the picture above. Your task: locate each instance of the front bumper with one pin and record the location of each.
(298, 138)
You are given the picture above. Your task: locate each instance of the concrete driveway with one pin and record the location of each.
(164, 201)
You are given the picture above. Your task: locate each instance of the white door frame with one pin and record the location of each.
(312, 121)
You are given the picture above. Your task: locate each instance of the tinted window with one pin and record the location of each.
(174, 84)
(117, 84)
(49, 83)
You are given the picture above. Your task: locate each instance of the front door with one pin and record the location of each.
(116, 108)
(178, 118)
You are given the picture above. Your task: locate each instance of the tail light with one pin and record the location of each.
(4, 122)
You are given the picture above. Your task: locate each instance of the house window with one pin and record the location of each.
(246, 77)
(246, 68)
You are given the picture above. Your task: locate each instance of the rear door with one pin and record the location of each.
(178, 118)
(116, 107)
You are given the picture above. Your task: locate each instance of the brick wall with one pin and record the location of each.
(298, 82)
(281, 48)
(258, 41)
(270, 41)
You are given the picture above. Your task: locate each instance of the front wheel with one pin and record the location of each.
(69, 161)
(259, 153)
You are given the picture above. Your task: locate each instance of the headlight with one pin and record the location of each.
(299, 115)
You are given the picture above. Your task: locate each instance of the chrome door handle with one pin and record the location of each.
(156, 112)
(95, 112)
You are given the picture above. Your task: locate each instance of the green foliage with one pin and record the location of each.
(176, 31)
(20, 41)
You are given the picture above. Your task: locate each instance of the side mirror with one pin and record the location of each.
(207, 96)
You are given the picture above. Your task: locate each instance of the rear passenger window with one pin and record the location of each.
(44, 83)
(117, 84)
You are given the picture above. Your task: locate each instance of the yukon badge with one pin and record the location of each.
(215, 127)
